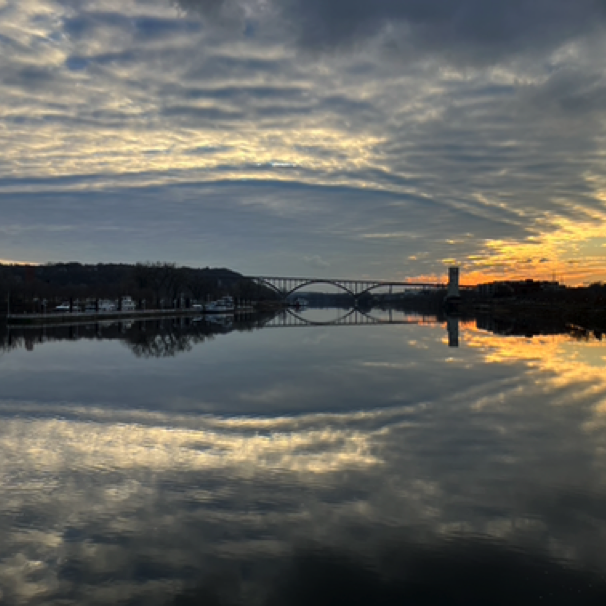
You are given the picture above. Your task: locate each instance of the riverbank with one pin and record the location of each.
(87, 317)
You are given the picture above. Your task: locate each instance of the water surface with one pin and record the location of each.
(181, 462)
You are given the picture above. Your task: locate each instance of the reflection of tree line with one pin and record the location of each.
(514, 322)
(528, 326)
(167, 337)
(160, 338)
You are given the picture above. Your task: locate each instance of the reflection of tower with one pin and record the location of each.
(452, 325)
(453, 282)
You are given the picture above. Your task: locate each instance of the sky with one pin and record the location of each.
(331, 138)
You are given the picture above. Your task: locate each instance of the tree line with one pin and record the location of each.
(33, 288)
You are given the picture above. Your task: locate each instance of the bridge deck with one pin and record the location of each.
(348, 281)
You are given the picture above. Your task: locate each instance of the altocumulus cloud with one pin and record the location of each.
(471, 30)
(373, 134)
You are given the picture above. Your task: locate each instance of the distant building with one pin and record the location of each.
(516, 288)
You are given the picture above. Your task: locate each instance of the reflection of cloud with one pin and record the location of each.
(393, 365)
(130, 476)
(162, 449)
(474, 468)
(101, 492)
(561, 361)
(398, 570)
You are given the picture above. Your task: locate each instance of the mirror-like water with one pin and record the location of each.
(274, 463)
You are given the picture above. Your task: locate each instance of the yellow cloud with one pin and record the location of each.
(570, 250)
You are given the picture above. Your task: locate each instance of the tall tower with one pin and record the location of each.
(453, 283)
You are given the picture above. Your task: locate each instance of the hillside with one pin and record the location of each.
(158, 284)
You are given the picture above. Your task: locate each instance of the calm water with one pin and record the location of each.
(187, 463)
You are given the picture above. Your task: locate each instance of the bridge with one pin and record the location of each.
(286, 286)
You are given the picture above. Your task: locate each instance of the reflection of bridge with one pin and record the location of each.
(351, 317)
(354, 317)
(285, 287)
(177, 333)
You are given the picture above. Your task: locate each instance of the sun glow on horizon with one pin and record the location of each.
(573, 253)
(12, 262)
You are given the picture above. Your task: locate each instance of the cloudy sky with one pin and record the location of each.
(346, 138)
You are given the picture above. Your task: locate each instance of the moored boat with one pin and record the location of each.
(224, 305)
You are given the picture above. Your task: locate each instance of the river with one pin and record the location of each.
(275, 464)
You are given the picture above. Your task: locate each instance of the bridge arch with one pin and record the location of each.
(269, 285)
(287, 293)
(292, 291)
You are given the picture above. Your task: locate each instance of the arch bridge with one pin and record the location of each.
(285, 287)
